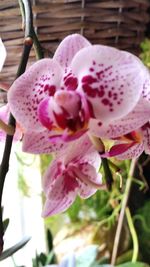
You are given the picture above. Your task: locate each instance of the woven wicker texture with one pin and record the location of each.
(119, 23)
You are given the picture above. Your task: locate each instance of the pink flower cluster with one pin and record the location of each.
(84, 90)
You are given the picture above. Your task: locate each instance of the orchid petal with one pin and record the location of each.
(61, 195)
(68, 48)
(4, 116)
(91, 177)
(146, 88)
(145, 131)
(39, 143)
(51, 175)
(77, 150)
(92, 157)
(134, 120)
(26, 93)
(108, 77)
(118, 149)
(2, 54)
(45, 113)
(4, 112)
(133, 152)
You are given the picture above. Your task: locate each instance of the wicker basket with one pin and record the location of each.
(119, 23)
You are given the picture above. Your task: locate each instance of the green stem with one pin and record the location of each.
(8, 143)
(134, 236)
(122, 212)
(37, 46)
(28, 18)
(107, 172)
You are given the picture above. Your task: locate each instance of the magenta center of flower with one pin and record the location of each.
(66, 110)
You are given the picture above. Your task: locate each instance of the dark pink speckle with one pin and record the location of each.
(99, 123)
(89, 79)
(105, 101)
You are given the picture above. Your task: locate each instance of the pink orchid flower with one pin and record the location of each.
(75, 171)
(4, 109)
(4, 116)
(132, 144)
(60, 99)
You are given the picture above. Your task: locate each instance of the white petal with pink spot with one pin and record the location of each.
(108, 77)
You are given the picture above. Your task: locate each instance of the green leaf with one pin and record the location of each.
(50, 257)
(10, 251)
(5, 224)
(49, 240)
(131, 264)
(42, 258)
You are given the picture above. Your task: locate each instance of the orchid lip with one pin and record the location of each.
(66, 135)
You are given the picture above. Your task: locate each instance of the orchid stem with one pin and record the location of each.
(108, 174)
(122, 212)
(37, 46)
(8, 144)
(134, 236)
(28, 18)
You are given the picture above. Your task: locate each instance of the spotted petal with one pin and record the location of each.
(134, 120)
(78, 150)
(118, 149)
(2, 54)
(61, 195)
(108, 77)
(68, 48)
(39, 143)
(86, 189)
(42, 79)
(4, 116)
(133, 152)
